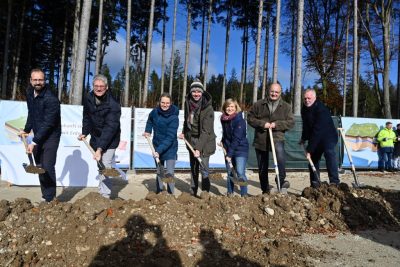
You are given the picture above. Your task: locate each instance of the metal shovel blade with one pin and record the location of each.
(33, 169)
(109, 172)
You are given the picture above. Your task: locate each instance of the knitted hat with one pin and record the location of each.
(196, 86)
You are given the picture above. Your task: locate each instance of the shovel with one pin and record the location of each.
(160, 167)
(356, 183)
(102, 169)
(236, 179)
(314, 170)
(31, 168)
(211, 175)
(278, 182)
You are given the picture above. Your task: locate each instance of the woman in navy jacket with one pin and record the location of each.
(164, 122)
(235, 142)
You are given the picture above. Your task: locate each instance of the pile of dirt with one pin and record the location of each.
(163, 230)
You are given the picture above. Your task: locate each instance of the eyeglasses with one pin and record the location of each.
(99, 86)
(37, 80)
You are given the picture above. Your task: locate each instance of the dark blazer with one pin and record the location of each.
(165, 126)
(206, 144)
(102, 121)
(318, 126)
(234, 136)
(44, 115)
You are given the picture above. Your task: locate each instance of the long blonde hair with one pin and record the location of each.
(228, 102)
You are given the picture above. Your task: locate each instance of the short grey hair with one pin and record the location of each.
(310, 90)
(102, 78)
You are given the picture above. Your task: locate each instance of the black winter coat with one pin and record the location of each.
(44, 115)
(318, 126)
(102, 121)
(234, 136)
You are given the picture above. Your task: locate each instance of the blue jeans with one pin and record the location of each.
(385, 156)
(170, 165)
(239, 163)
(262, 160)
(328, 149)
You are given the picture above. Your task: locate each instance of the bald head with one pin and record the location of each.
(275, 91)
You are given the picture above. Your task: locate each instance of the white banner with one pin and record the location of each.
(75, 165)
(142, 157)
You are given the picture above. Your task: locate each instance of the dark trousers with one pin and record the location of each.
(195, 167)
(262, 160)
(45, 156)
(328, 150)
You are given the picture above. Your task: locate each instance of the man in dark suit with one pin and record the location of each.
(321, 134)
(45, 120)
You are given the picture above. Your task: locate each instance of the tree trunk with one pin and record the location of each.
(292, 52)
(99, 38)
(61, 79)
(385, 17)
(75, 44)
(355, 54)
(266, 54)
(227, 36)
(374, 58)
(203, 22)
(17, 57)
(276, 41)
(242, 70)
(299, 58)
(127, 53)
(346, 54)
(148, 53)
(210, 10)
(163, 48)
(5, 54)
(188, 23)
(82, 47)
(171, 74)
(258, 45)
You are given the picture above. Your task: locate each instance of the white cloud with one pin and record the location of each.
(115, 57)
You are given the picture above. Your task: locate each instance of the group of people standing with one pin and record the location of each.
(271, 112)
(389, 148)
(101, 120)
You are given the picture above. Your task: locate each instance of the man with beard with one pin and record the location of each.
(198, 130)
(101, 119)
(271, 112)
(45, 120)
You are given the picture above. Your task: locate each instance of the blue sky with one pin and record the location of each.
(115, 56)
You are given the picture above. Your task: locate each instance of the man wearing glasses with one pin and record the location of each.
(45, 120)
(271, 112)
(101, 119)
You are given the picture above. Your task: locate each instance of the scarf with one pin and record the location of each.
(194, 107)
(226, 117)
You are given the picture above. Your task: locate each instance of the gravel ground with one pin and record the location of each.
(306, 227)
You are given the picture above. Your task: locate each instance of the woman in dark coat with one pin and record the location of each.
(235, 142)
(164, 122)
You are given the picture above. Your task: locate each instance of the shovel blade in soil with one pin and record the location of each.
(33, 169)
(110, 172)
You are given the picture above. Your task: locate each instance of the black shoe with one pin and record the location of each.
(205, 184)
(381, 170)
(315, 184)
(285, 184)
(194, 191)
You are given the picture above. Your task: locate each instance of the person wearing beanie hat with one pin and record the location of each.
(196, 86)
(198, 130)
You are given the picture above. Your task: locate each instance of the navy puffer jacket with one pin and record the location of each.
(165, 126)
(234, 136)
(102, 121)
(44, 115)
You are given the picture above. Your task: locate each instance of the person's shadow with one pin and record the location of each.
(143, 246)
(215, 255)
(78, 171)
